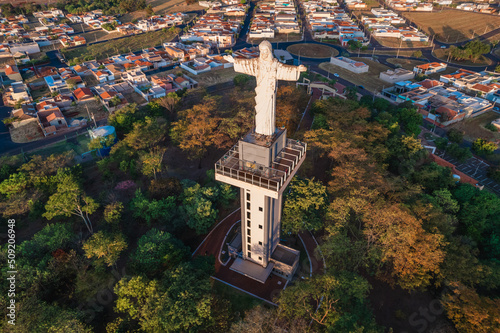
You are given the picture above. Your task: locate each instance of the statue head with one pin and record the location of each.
(266, 50)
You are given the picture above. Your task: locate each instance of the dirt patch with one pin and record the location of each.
(25, 131)
(172, 6)
(83, 109)
(454, 25)
(134, 97)
(122, 45)
(474, 127)
(396, 43)
(312, 50)
(370, 80)
(98, 35)
(278, 38)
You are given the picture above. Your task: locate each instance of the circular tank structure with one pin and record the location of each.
(104, 132)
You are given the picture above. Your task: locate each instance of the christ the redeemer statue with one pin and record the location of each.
(267, 70)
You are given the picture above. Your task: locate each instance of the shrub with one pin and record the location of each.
(455, 135)
(491, 127)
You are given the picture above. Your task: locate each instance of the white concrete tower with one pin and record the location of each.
(261, 166)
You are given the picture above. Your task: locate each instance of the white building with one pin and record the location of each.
(396, 75)
(349, 64)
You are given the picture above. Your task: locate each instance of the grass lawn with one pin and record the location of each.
(368, 80)
(123, 45)
(443, 54)
(474, 127)
(77, 146)
(454, 25)
(312, 50)
(240, 301)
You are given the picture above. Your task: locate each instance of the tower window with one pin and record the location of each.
(248, 240)
(248, 196)
(260, 258)
(260, 209)
(248, 232)
(248, 215)
(248, 223)
(249, 255)
(260, 226)
(260, 243)
(248, 205)
(249, 247)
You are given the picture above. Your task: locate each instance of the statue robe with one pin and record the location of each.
(267, 73)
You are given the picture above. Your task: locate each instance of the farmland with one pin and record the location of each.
(453, 25)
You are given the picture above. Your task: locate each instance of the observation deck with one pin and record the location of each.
(273, 179)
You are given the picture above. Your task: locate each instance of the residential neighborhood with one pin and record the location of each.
(300, 166)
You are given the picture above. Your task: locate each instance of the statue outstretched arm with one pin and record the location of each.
(290, 72)
(246, 66)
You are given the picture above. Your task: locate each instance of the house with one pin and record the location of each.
(103, 75)
(81, 70)
(13, 73)
(17, 91)
(55, 83)
(51, 120)
(115, 69)
(396, 75)
(164, 82)
(182, 82)
(430, 68)
(83, 94)
(135, 76)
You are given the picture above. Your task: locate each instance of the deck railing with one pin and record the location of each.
(271, 178)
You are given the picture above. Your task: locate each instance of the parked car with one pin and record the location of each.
(336, 75)
(361, 87)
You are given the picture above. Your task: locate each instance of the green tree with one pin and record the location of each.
(105, 248)
(198, 207)
(153, 210)
(180, 302)
(417, 54)
(455, 135)
(113, 212)
(343, 302)
(483, 146)
(152, 161)
(156, 252)
(70, 199)
(304, 207)
(123, 119)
